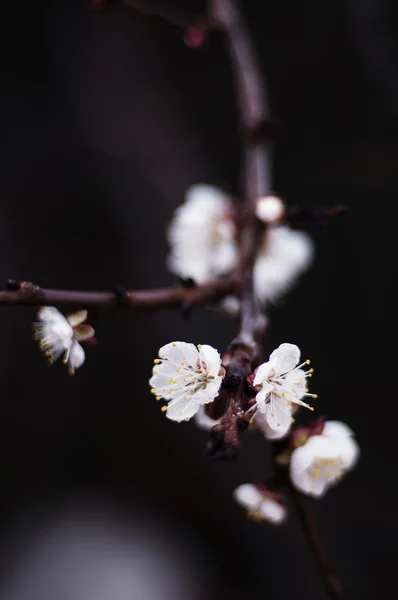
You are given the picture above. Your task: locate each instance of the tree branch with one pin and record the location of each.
(310, 528)
(254, 111)
(29, 294)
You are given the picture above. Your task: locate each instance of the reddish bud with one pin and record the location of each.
(195, 36)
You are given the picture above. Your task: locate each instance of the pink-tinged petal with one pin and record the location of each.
(83, 332)
(77, 318)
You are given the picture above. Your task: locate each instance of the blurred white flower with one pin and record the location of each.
(186, 377)
(270, 209)
(59, 335)
(202, 235)
(282, 385)
(261, 504)
(286, 255)
(203, 421)
(324, 459)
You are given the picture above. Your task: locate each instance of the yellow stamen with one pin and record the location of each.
(164, 408)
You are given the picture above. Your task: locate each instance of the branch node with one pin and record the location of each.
(122, 296)
(13, 285)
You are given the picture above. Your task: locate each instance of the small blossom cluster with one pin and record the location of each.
(203, 239)
(190, 378)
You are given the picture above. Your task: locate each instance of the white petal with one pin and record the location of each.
(341, 436)
(212, 358)
(296, 382)
(269, 433)
(316, 446)
(248, 496)
(273, 512)
(50, 314)
(207, 394)
(203, 421)
(288, 356)
(262, 397)
(76, 356)
(337, 429)
(285, 256)
(278, 413)
(204, 196)
(264, 371)
(182, 408)
(178, 352)
(347, 449)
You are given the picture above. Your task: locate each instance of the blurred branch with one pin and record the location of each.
(310, 528)
(254, 112)
(28, 294)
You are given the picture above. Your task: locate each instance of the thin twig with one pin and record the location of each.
(32, 295)
(310, 528)
(254, 111)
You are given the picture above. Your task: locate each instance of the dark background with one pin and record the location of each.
(106, 118)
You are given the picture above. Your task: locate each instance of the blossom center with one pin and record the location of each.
(331, 468)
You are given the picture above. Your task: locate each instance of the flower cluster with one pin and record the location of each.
(203, 244)
(189, 378)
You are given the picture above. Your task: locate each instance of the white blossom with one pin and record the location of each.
(270, 209)
(323, 460)
(59, 335)
(186, 377)
(260, 504)
(283, 384)
(285, 255)
(202, 235)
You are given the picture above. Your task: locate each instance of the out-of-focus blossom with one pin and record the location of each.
(283, 384)
(202, 235)
(270, 209)
(285, 255)
(187, 377)
(59, 335)
(323, 459)
(261, 504)
(203, 421)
